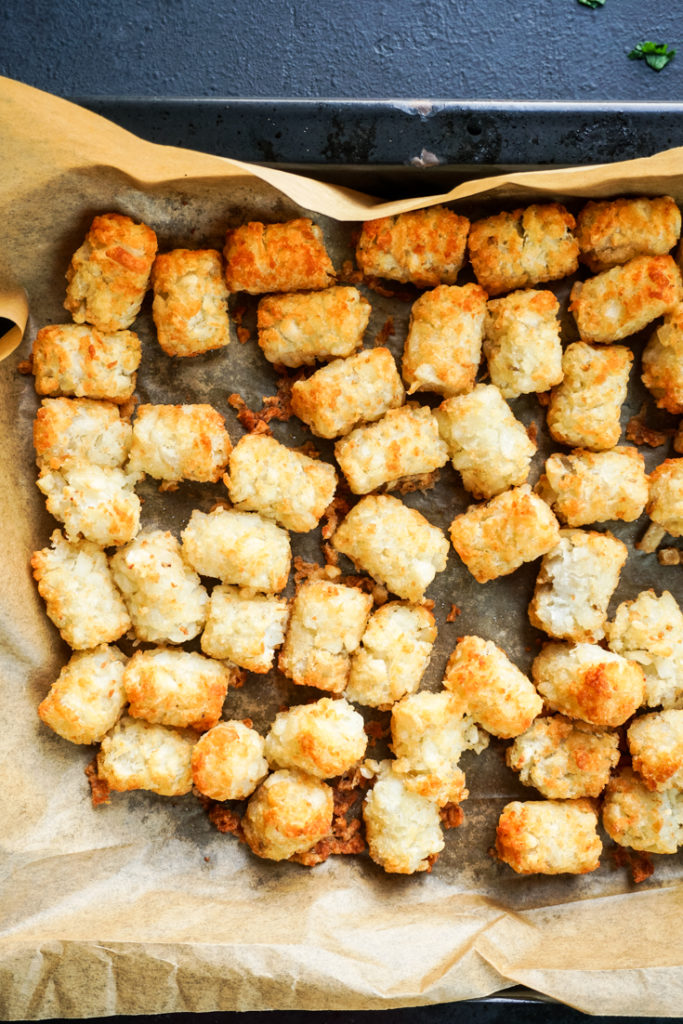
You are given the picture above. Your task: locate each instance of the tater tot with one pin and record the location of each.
(140, 755)
(404, 443)
(625, 299)
(163, 594)
(429, 732)
(360, 389)
(109, 274)
(549, 837)
(393, 655)
(635, 816)
(279, 483)
(286, 257)
(656, 745)
(180, 442)
(575, 583)
(611, 232)
(522, 342)
(228, 761)
(244, 627)
(324, 739)
(190, 307)
(593, 487)
(94, 502)
(443, 348)
(524, 247)
(168, 686)
(395, 544)
(665, 498)
(80, 595)
(497, 695)
(240, 548)
(80, 428)
(88, 696)
(562, 759)
(297, 329)
(496, 538)
(649, 630)
(288, 814)
(663, 362)
(325, 627)
(585, 409)
(83, 361)
(488, 447)
(587, 682)
(403, 829)
(424, 247)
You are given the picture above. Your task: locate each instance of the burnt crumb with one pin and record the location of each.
(222, 816)
(419, 482)
(25, 367)
(638, 431)
(253, 422)
(243, 335)
(453, 613)
(451, 816)
(238, 313)
(346, 835)
(99, 789)
(337, 510)
(168, 486)
(349, 274)
(376, 730)
(238, 677)
(431, 861)
(385, 332)
(305, 572)
(639, 864)
(669, 556)
(309, 449)
(544, 398)
(330, 555)
(532, 432)
(388, 289)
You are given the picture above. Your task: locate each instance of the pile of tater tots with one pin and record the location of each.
(595, 731)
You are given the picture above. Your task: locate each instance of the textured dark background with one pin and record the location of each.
(455, 49)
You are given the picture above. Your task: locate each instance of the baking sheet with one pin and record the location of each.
(141, 906)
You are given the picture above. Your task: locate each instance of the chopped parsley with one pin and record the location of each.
(592, 3)
(655, 55)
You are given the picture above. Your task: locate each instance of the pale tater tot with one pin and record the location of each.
(443, 348)
(80, 428)
(403, 829)
(84, 362)
(563, 759)
(429, 732)
(324, 739)
(611, 232)
(395, 544)
(94, 502)
(360, 389)
(656, 745)
(80, 595)
(140, 755)
(575, 583)
(267, 477)
(109, 274)
(623, 300)
(593, 487)
(393, 655)
(244, 627)
(298, 329)
(325, 627)
(497, 695)
(88, 696)
(496, 538)
(663, 362)
(635, 816)
(549, 837)
(190, 307)
(523, 247)
(228, 761)
(587, 682)
(286, 257)
(169, 686)
(665, 498)
(585, 409)
(180, 442)
(163, 594)
(488, 447)
(522, 342)
(288, 814)
(240, 548)
(403, 444)
(649, 630)
(424, 247)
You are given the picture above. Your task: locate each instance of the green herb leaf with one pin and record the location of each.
(592, 3)
(655, 55)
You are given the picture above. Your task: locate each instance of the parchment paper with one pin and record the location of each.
(141, 906)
